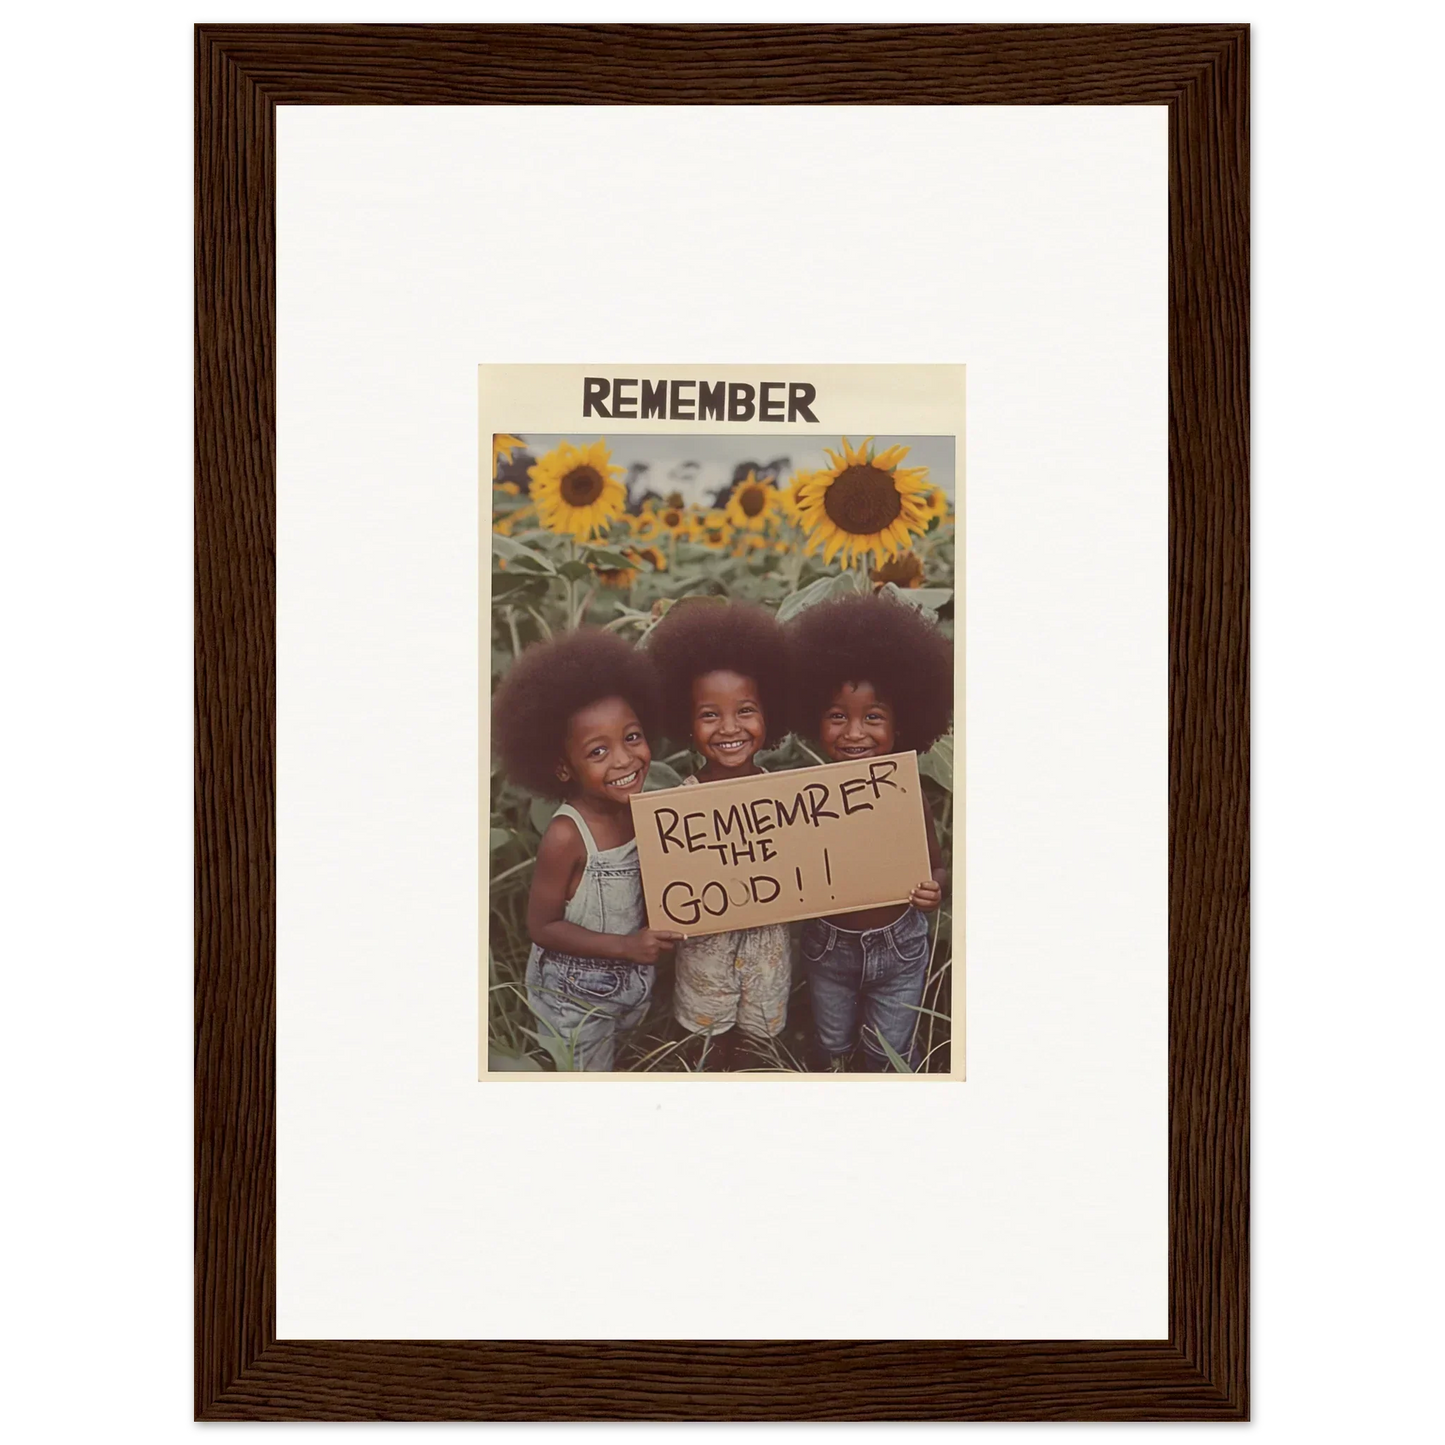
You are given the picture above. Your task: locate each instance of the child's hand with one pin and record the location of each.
(927, 896)
(648, 944)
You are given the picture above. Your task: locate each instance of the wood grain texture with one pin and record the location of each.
(242, 74)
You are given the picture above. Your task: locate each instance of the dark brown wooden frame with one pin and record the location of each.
(242, 73)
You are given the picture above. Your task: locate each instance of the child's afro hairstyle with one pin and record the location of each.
(872, 639)
(552, 681)
(706, 634)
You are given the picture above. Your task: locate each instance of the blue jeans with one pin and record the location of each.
(590, 1004)
(866, 985)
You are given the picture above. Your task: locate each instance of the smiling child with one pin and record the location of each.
(873, 676)
(571, 721)
(724, 668)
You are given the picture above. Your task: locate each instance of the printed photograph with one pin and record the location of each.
(722, 743)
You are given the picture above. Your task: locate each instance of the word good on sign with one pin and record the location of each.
(781, 846)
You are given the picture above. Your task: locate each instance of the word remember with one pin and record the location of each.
(628, 398)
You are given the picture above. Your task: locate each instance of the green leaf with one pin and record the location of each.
(574, 571)
(500, 838)
(513, 550)
(933, 1013)
(540, 811)
(926, 599)
(602, 557)
(509, 585)
(900, 1064)
(937, 762)
(659, 775)
(501, 1062)
(558, 1048)
(843, 584)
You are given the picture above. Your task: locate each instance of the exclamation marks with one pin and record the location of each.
(798, 874)
(828, 869)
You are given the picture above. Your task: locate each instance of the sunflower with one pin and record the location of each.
(577, 491)
(936, 503)
(788, 498)
(672, 519)
(502, 448)
(753, 504)
(713, 529)
(904, 570)
(643, 525)
(621, 578)
(864, 504)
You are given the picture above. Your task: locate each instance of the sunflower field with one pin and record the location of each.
(573, 546)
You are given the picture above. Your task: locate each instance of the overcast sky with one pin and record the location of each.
(697, 466)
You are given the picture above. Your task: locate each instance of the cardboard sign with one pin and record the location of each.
(781, 846)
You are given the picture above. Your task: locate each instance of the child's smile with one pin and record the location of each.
(606, 752)
(728, 726)
(856, 724)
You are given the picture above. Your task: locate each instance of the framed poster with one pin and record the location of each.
(1060, 210)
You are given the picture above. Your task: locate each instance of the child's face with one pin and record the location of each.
(856, 724)
(605, 754)
(728, 726)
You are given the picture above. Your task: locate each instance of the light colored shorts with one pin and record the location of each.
(741, 978)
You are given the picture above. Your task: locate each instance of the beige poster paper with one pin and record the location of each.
(610, 493)
(782, 847)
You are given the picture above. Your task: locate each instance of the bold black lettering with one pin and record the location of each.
(619, 401)
(798, 813)
(722, 893)
(721, 849)
(724, 824)
(709, 401)
(675, 411)
(743, 850)
(799, 395)
(694, 840)
(769, 852)
(666, 832)
(880, 779)
(761, 822)
(769, 410)
(686, 919)
(654, 399)
(594, 393)
(758, 878)
(740, 401)
(817, 796)
(854, 785)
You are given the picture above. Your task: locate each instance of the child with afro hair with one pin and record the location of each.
(571, 721)
(726, 692)
(873, 676)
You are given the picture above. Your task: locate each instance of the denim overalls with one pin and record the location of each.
(593, 1002)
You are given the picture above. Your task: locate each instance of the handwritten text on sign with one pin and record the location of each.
(780, 846)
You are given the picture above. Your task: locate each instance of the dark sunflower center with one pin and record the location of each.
(863, 500)
(751, 500)
(581, 486)
(672, 519)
